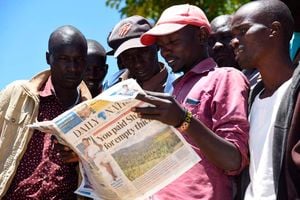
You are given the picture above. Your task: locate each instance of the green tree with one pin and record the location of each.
(153, 8)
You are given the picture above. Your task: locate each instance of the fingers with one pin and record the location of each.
(157, 101)
(67, 154)
(70, 157)
(152, 113)
(159, 94)
(149, 116)
(146, 110)
(58, 146)
(166, 109)
(147, 113)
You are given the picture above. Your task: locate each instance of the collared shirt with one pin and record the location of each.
(41, 173)
(117, 77)
(218, 98)
(161, 82)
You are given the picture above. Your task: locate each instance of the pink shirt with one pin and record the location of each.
(218, 98)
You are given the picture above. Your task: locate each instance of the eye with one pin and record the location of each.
(80, 59)
(63, 58)
(175, 42)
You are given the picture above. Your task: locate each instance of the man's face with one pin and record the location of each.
(95, 72)
(180, 49)
(219, 42)
(141, 62)
(251, 37)
(68, 63)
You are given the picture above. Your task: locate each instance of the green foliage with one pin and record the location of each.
(153, 8)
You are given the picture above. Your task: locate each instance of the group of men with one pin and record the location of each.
(247, 137)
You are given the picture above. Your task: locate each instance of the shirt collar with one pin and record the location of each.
(204, 66)
(48, 89)
(124, 76)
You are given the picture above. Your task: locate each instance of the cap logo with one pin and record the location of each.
(124, 29)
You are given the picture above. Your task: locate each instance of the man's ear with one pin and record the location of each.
(48, 57)
(275, 29)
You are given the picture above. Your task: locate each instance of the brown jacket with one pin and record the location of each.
(19, 103)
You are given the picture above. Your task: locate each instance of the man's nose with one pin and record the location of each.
(165, 51)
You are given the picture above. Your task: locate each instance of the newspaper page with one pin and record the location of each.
(122, 156)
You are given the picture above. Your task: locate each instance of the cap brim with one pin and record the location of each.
(150, 36)
(129, 44)
(110, 53)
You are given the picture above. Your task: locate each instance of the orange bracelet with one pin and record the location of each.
(186, 122)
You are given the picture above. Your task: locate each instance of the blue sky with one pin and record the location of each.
(25, 26)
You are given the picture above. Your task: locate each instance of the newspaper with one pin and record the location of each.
(122, 156)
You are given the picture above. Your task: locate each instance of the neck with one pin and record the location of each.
(272, 81)
(68, 98)
(194, 63)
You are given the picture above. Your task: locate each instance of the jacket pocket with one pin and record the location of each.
(15, 117)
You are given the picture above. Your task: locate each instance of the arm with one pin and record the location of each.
(10, 97)
(167, 110)
(296, 154)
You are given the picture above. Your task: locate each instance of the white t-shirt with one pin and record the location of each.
(262, 117)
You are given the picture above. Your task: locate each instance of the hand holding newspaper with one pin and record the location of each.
(122, 156)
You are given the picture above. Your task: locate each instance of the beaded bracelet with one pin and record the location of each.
(186, 122)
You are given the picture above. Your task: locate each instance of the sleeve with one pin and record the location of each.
(5, 100)
(230, 112)
(296, 154)
(295, 134)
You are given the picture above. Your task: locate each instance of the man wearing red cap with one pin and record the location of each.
(208, 105)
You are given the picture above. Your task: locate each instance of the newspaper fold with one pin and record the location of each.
(122, 156)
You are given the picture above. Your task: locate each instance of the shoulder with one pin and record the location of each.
(30, 86)
(229, 75)
(229, 70)
(115, 78)
(12, 90)
(17, 84)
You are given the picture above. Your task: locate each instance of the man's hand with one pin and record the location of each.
(165, 108)
(67, 154)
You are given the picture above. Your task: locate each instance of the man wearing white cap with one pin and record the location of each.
(140, 60)
(208, 106)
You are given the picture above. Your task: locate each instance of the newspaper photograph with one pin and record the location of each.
(122, 156)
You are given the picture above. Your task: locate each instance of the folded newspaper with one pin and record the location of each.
(122, 156)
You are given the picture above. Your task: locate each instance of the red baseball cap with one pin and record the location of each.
(173, 19)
